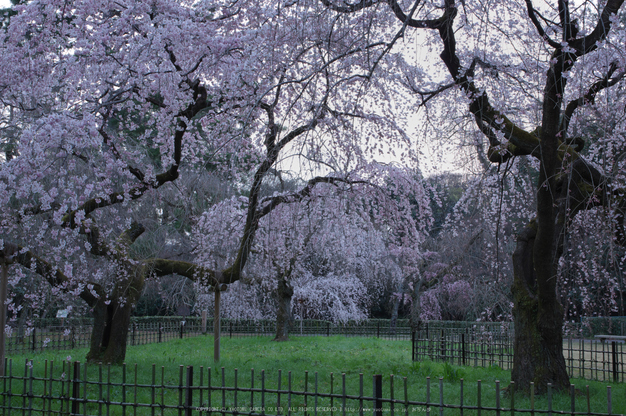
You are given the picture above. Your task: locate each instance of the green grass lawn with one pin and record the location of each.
(298, 361)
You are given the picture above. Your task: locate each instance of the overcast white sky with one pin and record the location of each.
(4, 4)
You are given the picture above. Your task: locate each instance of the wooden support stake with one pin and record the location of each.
(216, 327)
(3, 312)
(204, 319)
(76, 389)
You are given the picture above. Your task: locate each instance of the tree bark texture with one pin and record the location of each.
(538, 343)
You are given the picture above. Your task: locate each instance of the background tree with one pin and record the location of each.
(331, 251)
(524, 83)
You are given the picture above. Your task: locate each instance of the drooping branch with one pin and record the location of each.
(163, 267)
(589, 97)
(15, 253)
(443, 272)
(269, 204)
(488, 119)
(137, 173)
(349, 8)
(168, 176)
(233, 273)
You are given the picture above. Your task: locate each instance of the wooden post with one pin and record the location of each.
(3, 311)
(378, 394)
(463, 347)
(216, 326)
(614, 359)
(75, 404)
(204, 314)
(189, 392)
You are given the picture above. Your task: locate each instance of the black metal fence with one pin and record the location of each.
(72, 388)
(592, 359)
(477, 346)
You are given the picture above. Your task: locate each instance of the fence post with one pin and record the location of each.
(34, 339)
(327, 329)
(230, 328)
(132, 336)
(378, 394)
(189, 391)
(378, 330)
(443, 345)
(216, 326)
(615, 361)
(412, 345)
(204, 315)
(182, 328)
(463, 346)
(76, 389)
(160, 333)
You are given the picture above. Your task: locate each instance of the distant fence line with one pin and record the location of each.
(51, 335)
(463, 343)
(72, 388)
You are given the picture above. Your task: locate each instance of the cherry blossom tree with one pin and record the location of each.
(323, 258)
(112, 103)
(525, 71)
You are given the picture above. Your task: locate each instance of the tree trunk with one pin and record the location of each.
(284, 317)
(395, 308)
(109, 334)
(99, 331)
(415, 322)
(538, 344)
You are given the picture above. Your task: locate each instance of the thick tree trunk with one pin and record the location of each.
(284, 316)
(99, 332)
(119, 323)
(109, 334)
(538, 345)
